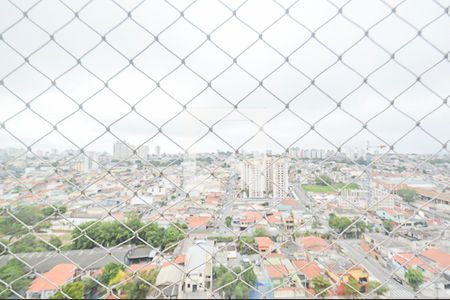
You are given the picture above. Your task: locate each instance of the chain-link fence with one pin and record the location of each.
(224, 149)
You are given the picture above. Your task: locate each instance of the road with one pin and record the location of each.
(356, 254)
(228, 200)
(375, 270)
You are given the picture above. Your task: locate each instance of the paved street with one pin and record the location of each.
(375, 270)
(352, 249)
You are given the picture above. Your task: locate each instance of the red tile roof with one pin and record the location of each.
(252, 217)
(53, 279)
(263, 242)
(313, 243)
(277, 271)
(408, 260)
(291, 202)
(197, 221)
(310, 269)
(438, 256)
(212, 199)
(180, 259)
(274, 218)
(141, 267)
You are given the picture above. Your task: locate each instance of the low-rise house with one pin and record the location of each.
(344, 271)
(307, 270)
(198, 269)
(46, 285)
(276, 273)
(140, 254)
(440, 260)
(198, 222)
(403, 261)
(313, 243)
(265, 245)
(385, 247)
(438, 257)
(170, 280)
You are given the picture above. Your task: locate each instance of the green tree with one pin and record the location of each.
(48, 211)
(320, 284)
(260, 232)
(414, 277)
(352, 288)
(12, 273)
(388, 225)
(339, 223)
(228, 221)
(324, 180)
(377, 288)
(140, 288)
(408, 195)
(110, 271)
(238, 289)
(113, 233)
(28, 215)
(73, 290)
(55, 241)
(28, 243)
(172, 236)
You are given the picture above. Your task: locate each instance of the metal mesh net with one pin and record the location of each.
(300, 149)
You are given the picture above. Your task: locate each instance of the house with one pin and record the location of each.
(307, 270)
(403, 261)
(198, 222)
(248, 219)
(385, 247)
(265, 244)
(141, 267)
(313, 243)
(140, 254)
(344, 271)
(169, 280)
(46, 285)
(180, 260)
(440, 260)
(198, 269)
(276, 273)
(438, 257)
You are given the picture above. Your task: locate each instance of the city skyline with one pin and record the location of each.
(224, 149)
(182, 102)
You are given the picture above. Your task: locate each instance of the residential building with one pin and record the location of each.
(46, 285)
(265, 177)
(198, 269)
(265, 244)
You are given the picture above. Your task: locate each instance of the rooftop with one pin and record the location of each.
(53, 279)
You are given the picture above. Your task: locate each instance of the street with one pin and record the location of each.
(356, 254)
(376, 271)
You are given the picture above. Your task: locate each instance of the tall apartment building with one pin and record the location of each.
(265, 177)
(124, 151)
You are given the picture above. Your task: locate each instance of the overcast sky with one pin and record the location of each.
(260, 47)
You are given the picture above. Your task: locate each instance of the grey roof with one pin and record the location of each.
(198, 256)
(141, 252)
(85, 259)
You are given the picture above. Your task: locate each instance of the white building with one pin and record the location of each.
(365, 199)
(265, 177)
(198, 269)
(124, 151)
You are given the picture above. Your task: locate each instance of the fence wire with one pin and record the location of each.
(232, 75)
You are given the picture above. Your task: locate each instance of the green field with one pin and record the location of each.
(313, 188)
